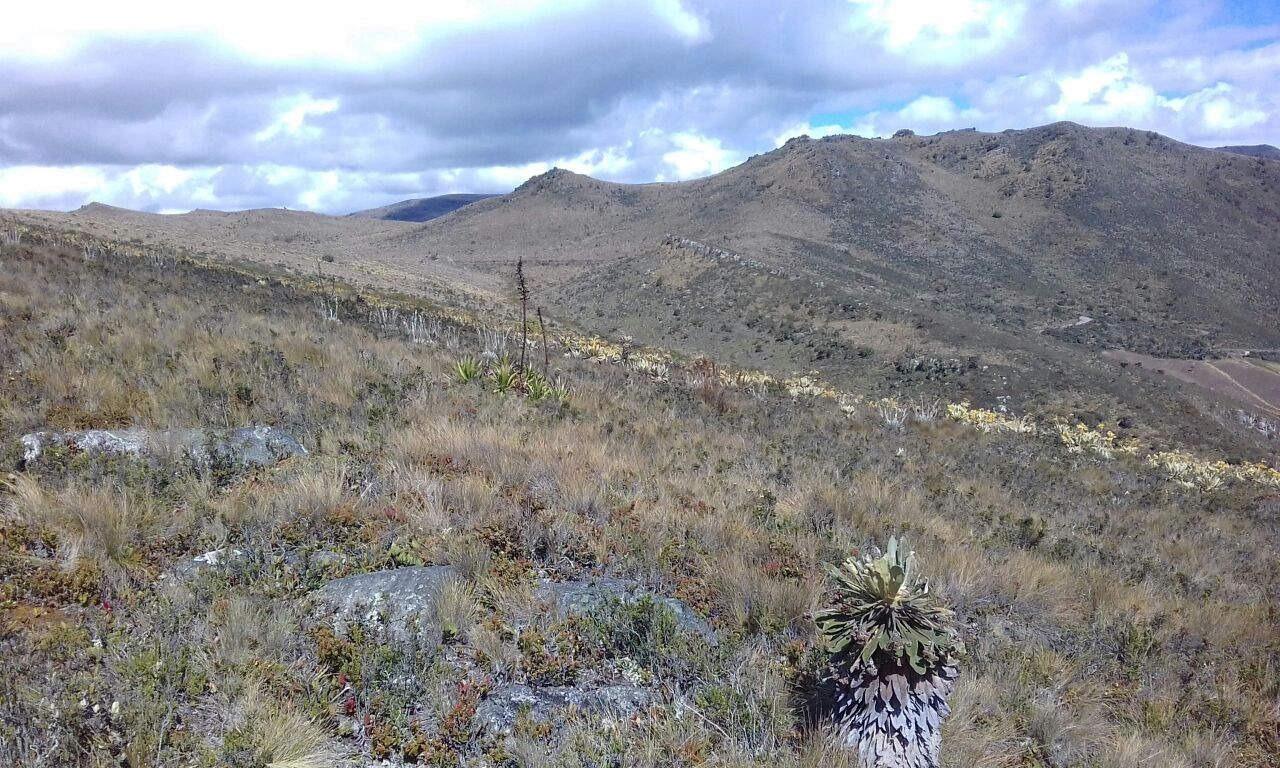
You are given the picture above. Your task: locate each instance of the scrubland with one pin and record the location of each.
(1111, 618)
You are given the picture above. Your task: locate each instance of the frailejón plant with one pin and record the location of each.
(893, 651)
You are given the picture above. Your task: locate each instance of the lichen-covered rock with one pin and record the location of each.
(582, 598)
(497, 714)
(392, 597)
(256, 446)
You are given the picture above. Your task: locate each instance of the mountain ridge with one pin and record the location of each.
(420, 209)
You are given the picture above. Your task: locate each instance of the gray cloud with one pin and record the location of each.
(629, 91)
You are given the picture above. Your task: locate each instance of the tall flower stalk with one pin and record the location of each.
(894, 651)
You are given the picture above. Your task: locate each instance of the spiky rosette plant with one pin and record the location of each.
(893, 651)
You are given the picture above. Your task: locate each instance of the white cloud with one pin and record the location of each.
(291, 121)
(930, 110)
(942, 31)
(694, 155)
(278, 31)
(31, 185)
(156, 105)
(1104, 93)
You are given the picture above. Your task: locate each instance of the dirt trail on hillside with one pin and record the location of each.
(1250, 383)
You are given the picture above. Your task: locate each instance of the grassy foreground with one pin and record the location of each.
(1111, 618)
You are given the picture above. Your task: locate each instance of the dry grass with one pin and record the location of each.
(1111, 619)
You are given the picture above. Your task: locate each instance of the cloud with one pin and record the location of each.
(695, 156)
(941, 31)
(156, 106)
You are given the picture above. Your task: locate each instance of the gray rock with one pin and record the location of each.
(497, 714)
(581, 598)
(396, 595)
(257, 446)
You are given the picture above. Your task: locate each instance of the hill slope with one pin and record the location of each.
(892, 265)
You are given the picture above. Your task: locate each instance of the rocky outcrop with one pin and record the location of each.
(712, 252)
(396, 596)
(935, 367)
(257, 446)
(497, 714)
(582, 598)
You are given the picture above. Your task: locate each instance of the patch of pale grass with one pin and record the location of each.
(281, 736)
(757, 601)
(1134, 750)
(978, 734)
(469, 555)
(502, 656)
(471, 501)
(102, 526)
(315, 493)
(247, 628)
(456, 608)
(515, 602)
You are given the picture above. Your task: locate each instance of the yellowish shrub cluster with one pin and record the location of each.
(1102, 442)
(1193, 472)
(806, 386)
(989, 421)
(748, 380)
(592, 348)
(1256, 472)
(849, 403)
(651, 366)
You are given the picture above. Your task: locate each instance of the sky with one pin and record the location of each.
(166, 106)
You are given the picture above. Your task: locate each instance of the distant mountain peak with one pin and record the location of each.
(555, 178)
(100, 209)
(422, 209)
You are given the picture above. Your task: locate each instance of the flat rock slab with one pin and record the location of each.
(396, 595)
(257, 446)
(497, 714)
(588, 596)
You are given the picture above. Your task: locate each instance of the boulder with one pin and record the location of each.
(246, 447)
(397, 595)
(497, 714)
(587, 596)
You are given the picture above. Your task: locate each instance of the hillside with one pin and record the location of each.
(437, 572)
(358, 249)
(1009, 268)
(890, 265)
(1169, 248)
(422, 208)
